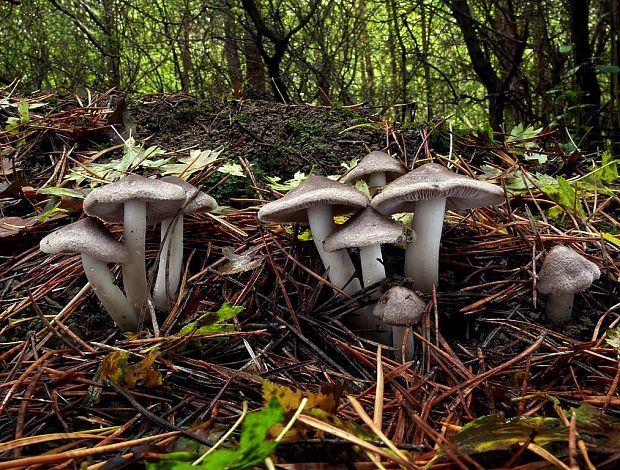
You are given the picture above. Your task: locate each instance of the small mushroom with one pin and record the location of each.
(316, 201)
(428, 191)
(136, 201)
(95, 244)
(563, 273)
(368, 230)
(377, 169)
(401, 308)
(171, 257)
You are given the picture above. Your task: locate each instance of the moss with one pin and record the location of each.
(179, 119)
(302, 131)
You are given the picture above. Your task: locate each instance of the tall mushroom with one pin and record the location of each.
(171, 257)
(428, 191)
(95, 244)
(401, 308)
(377, 169)
(136, 201)
(316, 201)
(563, 273)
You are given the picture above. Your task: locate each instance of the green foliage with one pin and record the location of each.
(254, 446)
(213, 322)
(274, 182)
(565, 195)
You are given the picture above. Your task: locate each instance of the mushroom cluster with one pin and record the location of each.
(427, 191)
(135, 201)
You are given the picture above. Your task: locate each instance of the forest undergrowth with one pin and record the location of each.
(257, 342)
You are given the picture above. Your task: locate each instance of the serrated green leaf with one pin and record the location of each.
(197, 160)
(23, 108)
(233, 169)
(274, 182)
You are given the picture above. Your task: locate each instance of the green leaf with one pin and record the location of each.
(274, 182)
(564, 195)
(213, 322)
(608, 68)
(611, 238)
(565, 49)
(253, 448)
(493, 432)
(23, 108)
(233, 169)
(62, 192)
(197, 160)
(612, 337)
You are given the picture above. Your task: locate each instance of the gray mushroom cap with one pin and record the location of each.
(199, 201)
(87, 236)
(162, 199)
(314, 191)
(399, 306)
(431, 181)
(565, 271)
(368, 227)
(376, 162)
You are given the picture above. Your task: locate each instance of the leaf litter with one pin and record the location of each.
(491, 385)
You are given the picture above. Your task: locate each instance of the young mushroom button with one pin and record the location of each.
(93, 242)
(428, 191)
(171, 257)
(377, 169)
(135, 201)
(401, 308)
(316, 201)
(563, 273)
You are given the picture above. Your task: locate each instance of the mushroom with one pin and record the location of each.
(95, 244)
(136, 201)
(563, 273)
(367, 230)
(401, 308)
(171, 257)
(428, 191)
(377, 169)
(316, 201)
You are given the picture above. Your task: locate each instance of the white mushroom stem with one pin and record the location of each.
(113, 300)
(377, 180)
(134, 271)
(398, 338)
(422, 256)
(371, 260)
(170, 262)
(560, 307)
(339, 265)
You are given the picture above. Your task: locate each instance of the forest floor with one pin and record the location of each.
(492, 385)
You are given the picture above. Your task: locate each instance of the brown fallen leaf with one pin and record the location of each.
(13, 225)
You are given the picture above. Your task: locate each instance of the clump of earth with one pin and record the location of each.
(277, 139)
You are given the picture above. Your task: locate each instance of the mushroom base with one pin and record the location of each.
(110, 296)
(559, 308)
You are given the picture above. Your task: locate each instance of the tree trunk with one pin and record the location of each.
(587, 82)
